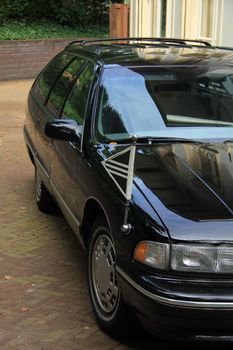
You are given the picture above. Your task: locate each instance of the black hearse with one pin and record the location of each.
(133, 138)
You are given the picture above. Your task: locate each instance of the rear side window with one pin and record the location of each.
(49, 75)
(63, 84)
(75, 105)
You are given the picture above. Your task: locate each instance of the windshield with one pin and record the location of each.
(181, 101)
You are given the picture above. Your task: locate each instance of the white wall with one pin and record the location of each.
(144, 18)
(227, 24)
(184, 19)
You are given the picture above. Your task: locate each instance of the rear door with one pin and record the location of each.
(41, 113)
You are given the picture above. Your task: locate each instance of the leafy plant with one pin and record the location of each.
(71, 15)
(45, 29)
(65, 12)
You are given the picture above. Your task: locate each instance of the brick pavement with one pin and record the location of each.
(44, 302)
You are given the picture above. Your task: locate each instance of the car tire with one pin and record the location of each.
(112, 313)
(44, 199)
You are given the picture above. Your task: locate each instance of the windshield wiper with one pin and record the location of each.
(226, 141)
(156, 139)
(167, 139)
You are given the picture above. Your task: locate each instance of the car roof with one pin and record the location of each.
(152, 51)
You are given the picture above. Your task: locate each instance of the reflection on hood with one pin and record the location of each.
(193, 180)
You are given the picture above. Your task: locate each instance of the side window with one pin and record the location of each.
(63, 84)
(75, 105)
(49, 75)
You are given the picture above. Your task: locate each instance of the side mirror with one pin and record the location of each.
(64, 129)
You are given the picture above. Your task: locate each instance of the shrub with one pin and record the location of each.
(65, 12)
(22, 9)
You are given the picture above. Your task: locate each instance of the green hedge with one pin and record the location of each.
(65, 12)
(18, 9)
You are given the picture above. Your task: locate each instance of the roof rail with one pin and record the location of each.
(164, 40)
(224, 48)
(76, 42)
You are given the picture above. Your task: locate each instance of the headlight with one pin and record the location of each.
(186, 257)
(153, 254)
(202, 258)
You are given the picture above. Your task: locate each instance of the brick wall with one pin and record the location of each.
(20, 59)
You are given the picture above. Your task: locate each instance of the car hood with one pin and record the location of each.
(193, 180)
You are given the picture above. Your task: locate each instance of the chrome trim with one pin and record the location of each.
(76, 224)
(73, 222)
(37, 162)
(64, 204)
(217, 338)
(27, 141)
(175, 302)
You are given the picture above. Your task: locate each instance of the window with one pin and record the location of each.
(126, 106)
(76, 103)
(152, 102)
(63, 84)
(49, 75)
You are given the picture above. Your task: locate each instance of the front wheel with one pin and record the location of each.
(112, 313)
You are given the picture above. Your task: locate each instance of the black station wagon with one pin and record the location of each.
(133, 138)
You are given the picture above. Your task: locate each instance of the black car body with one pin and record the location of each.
(171, 264)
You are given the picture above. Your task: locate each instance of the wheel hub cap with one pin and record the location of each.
(104, 276)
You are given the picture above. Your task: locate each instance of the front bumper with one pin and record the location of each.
(180, 318)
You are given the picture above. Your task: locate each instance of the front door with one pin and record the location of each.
(66, 157)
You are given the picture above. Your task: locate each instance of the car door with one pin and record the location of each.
(40, 112)
(66, 156)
